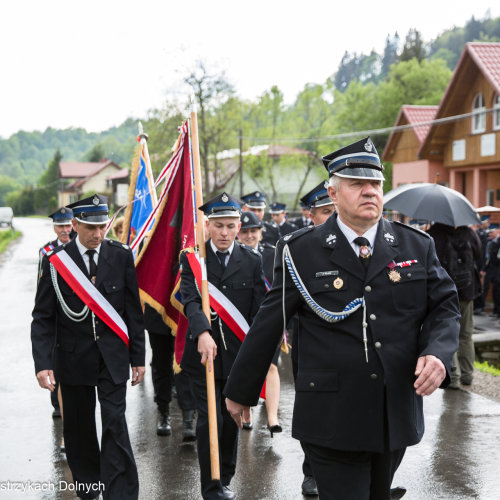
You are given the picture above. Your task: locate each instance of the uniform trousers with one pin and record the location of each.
(162, 347)
(354, 475)
(294, 328)
(228, 439)
(162, 373)
(111, 469)
(463, 359)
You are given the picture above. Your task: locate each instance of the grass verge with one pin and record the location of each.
(6, 237)
(487, 368)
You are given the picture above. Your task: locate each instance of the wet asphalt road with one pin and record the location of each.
(458, 458)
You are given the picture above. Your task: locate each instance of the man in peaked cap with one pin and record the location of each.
(236, 271)
(319, 203)
(256, 202)
(379, 323)
(61, 220)
(92, 350)
(305, 219)
(278, 213)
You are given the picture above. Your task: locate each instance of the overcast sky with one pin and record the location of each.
(93, 63)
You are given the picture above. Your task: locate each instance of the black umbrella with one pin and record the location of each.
(432, 202)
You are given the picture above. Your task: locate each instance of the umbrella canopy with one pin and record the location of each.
(487, 209)
(432, 202)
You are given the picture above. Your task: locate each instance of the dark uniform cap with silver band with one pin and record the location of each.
(62, 216)
(276, 208)
(358, 160)
(257, 199)
(91, 210)
(223, 205)
(317, 197)
(250, 220)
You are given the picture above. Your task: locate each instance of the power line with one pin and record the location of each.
(377, 131)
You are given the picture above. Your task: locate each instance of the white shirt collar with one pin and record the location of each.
(82, 249)
(351, 235)
(215, 249)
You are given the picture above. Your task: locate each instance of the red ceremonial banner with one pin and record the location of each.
(157, 265)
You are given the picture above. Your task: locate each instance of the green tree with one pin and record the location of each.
(211, 91)
(7, 184)
(413, 47)
(96, 153)
(390, 54)
(48, 184)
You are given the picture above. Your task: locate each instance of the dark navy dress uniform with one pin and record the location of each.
(353, 406)
(341, 400)
(242, 282)
(85, 360)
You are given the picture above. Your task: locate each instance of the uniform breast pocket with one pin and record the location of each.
(408, 288)
(242, 286)
(113, 291)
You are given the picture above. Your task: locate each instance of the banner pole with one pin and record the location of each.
(205, 300)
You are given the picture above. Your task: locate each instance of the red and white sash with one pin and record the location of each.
(47, 248)
(88, 293)
(226, 310)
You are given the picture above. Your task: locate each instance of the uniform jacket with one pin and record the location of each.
(77, 351)
(441, 234)
(299, 222)
(287, 228)
(267, 252)
(270, 232)
(339, 399)
(242, 283)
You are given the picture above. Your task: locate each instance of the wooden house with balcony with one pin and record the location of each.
(460, 139)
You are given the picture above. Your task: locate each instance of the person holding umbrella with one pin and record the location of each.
(458, 248)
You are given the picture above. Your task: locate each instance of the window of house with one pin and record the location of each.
(496, 112)
(479, 116)
(490, 197)
(458, 150)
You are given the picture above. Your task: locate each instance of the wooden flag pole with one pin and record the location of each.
(205, 300)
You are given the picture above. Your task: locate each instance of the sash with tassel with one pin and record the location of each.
(88, 293)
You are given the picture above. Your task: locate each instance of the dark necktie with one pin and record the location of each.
(364, 251)
(222, 259)
(92, 265)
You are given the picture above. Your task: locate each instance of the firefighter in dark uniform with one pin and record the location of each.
(305, 219)
(61, 220)
(278, 213)
(236, 271)
(378, 321)
(89, 354)
(256, 202)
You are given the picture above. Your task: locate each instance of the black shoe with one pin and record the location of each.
(309, 488)
(164, 428)
(274, 429)
(188, 432)
(397, 492)
(248, 426)
(466, 381)
(227, 493)
(56, 413)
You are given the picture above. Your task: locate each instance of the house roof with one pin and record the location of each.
(120, 174)
(80, 169)
(483, 58)
(410, 115)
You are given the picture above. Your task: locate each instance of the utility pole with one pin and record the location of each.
(241, 163)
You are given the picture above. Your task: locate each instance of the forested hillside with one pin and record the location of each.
(365, 92)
